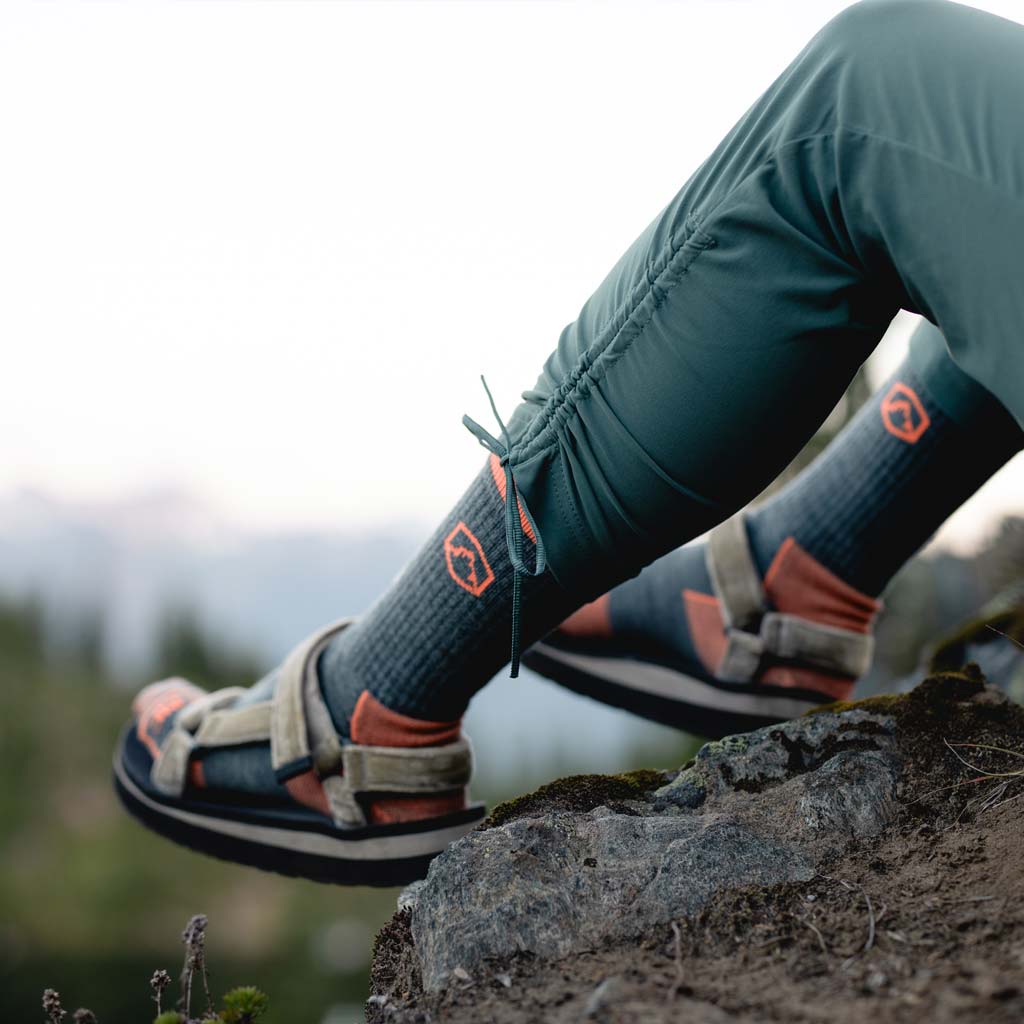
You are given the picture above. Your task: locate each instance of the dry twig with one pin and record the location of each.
(817, 933)
(678, 944)
(1006, 636)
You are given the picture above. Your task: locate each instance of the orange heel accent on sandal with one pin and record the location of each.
(306, 789)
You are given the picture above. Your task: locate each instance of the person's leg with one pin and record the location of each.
(824, 548)
(885, 168)
(713, 350)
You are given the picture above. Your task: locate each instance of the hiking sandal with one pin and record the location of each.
(322, 822)
(679, 692)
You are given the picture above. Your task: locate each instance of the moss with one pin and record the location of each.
(886, 704)
(728, 745)
(932, 695)
(578, 793)
(243, 1005)
(394, 969)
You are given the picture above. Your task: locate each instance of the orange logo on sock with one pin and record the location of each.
(467, 564)
(903, 415)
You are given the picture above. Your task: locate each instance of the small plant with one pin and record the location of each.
(55, 1013)
(242, 1005)
(194, 938)
(160, 980)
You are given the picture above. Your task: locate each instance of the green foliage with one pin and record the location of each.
(170, 1017)
(578, 793)
(21, 632)
(243, 1005)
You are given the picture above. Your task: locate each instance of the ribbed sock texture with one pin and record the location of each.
(443, 628)
(649, 608)
(885, 484)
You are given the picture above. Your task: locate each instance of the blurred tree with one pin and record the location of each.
(184, 648)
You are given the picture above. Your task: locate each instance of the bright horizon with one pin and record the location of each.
(260, 253)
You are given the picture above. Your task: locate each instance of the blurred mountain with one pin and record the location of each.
(132, 561)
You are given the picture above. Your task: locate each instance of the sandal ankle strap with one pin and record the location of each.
(755, 634)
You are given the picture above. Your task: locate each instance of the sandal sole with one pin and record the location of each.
(294, 843)
(664, 694)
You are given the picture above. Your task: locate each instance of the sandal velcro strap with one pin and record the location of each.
(303, 738)
(827, 647)
(755, 634)
(296, 696)
(170, 769)
(250, 724)
(209, 721)
(734, 576)
(408, 769)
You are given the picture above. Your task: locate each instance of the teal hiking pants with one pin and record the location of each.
(883, 170)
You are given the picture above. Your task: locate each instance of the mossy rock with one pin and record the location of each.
(578, 793)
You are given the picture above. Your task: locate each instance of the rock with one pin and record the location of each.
(753, 761)
(757, 809)
(408, 896)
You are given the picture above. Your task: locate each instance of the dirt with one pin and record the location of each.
(923, 923)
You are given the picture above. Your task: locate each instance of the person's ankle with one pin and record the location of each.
(798, 584)
(374, 725)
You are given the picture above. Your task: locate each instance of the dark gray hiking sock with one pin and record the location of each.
(648, 609)
(928, 439)
(443, 628)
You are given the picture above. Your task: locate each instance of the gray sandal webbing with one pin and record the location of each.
(756, 634)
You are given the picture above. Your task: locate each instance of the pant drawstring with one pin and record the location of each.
(514, 533)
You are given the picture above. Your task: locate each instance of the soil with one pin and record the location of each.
(923, 923)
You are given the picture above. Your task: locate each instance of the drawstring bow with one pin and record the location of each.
(515, 536)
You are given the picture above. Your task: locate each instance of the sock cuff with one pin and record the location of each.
(374, 724)
(798, 584)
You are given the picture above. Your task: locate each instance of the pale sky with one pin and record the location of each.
(263, 251)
